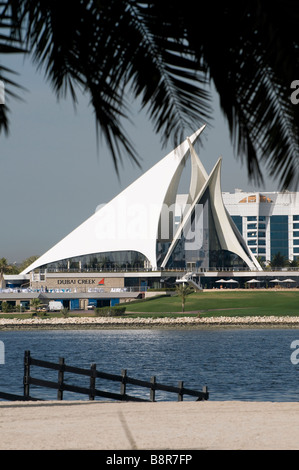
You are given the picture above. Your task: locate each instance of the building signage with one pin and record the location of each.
(80, 282)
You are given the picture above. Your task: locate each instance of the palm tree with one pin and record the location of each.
(168, 54)
(26, 262)
(35, 304)
(278, 261)
(183, 290)
(293, 263)
(4, 269)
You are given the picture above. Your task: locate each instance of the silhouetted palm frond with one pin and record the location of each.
(167, 53)
(252, 65)
(10, 43)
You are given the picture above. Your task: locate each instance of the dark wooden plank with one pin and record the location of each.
(60, 379)
(124, 380)
(153, 389)
(92, 381)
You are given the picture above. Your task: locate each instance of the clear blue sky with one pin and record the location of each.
(53, 176)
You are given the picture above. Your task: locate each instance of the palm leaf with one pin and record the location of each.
(252, 67)
(10, 43)
(112, 49)
(167, 54)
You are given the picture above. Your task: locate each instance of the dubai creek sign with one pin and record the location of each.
(80, 282)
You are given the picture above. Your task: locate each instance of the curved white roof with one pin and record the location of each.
(130, 221)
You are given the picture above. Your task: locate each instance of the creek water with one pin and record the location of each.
(251, 364)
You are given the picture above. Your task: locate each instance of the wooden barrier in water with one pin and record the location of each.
(61, 386)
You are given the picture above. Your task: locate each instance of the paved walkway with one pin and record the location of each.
(152, 426)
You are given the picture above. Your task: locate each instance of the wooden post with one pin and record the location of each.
(60, 379)
(26, 375)
(181, 393)
(123, 384)
(153, 388)
(92, 383)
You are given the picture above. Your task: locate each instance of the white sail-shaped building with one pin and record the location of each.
(139, 227)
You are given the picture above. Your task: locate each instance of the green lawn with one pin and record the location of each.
(207, 304)
(222, 303)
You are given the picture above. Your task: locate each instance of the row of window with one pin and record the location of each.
(275, 234)
(280, 219)
(254, 242)
(253, 234)
(261, 251)
(263, 226)
(279, 233)
(254, 226)
(252, 218)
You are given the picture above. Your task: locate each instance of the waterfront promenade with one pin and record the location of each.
(227, 425)
(121, 322)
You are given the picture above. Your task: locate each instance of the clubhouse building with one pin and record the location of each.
(149, 237)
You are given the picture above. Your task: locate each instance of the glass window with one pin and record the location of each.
(295, 225)
(237, 219)
(251, 218)
(104, 260)
(262, 234)
(296, 250)
(262, 226)
(253, 250)
(251, 226)
(279, 235)
(279, 219)
(262, 242)
(251, 234)
(251, 242)
(262, 218)
(295, 234)
(262, 250)
(295, 217)
(279, 244)
(296, 242)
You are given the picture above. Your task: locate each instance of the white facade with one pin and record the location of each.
(269, 221)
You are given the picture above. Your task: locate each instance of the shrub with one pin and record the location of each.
(109, 311)
(6, 307)
(64, 312)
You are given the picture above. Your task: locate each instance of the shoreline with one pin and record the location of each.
(179, 322)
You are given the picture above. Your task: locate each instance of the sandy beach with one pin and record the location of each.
(78, 425)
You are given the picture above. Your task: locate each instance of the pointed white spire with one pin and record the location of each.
(130, 221)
